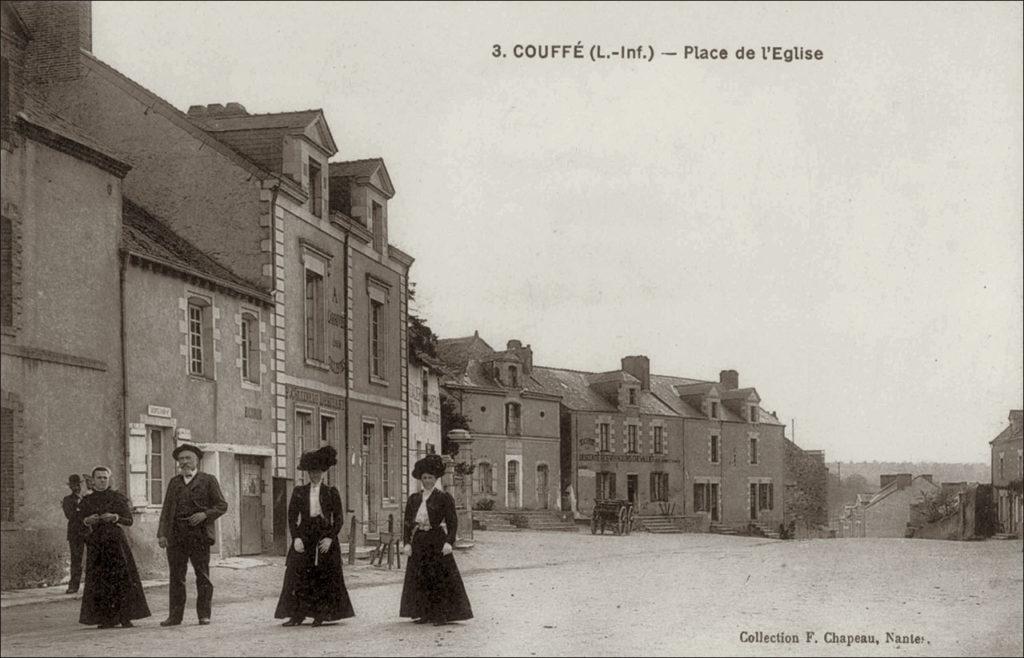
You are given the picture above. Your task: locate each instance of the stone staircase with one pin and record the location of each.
(527, 520)
(660, 524)
(495, 521)
(764, 529)
(719, 529)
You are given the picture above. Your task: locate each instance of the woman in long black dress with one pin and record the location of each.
(433, 590)
(113, 591)
(313, 583)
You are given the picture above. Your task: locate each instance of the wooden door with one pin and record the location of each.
(251, 504)
(714, 501)
(632, 487)
(542, 486)
(753, 502)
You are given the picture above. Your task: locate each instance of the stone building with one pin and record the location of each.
(890, 510)
(424, 377)
(257, 193)
(1008, 472)
(619, 441)
(60, 309)
(196, 346)
(672, 445)
(513, 419)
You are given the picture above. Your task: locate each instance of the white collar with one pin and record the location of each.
(189, 478)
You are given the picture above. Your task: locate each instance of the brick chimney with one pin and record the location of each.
(729, 379)
(640, 367)
(59, 30)
(885, 480)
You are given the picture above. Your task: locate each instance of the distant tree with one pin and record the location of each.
(451, 419)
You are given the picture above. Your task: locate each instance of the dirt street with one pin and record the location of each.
(563, 594)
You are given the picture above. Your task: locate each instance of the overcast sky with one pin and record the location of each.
(845, 233)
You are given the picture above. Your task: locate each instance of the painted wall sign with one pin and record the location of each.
(254, 412)
(612, 457)
(184, 434)
(159, 412)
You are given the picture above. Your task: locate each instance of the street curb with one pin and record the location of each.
(53, 594)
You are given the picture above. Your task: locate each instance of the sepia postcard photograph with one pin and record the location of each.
(512, 328)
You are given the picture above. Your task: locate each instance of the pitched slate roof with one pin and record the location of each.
(1014, 431)
(36, 112)
(574, 388)
(363, 170)
(299, 120)
(145, 236)
(458, 351)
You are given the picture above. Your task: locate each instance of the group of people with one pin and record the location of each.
(314, 586)
(113, 593)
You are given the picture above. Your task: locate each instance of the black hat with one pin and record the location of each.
(318, 460)
(190, 448)
(431, 464)
(74, 480)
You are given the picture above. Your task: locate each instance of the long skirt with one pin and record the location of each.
(433, 585)
(313, 584)
(113, 591)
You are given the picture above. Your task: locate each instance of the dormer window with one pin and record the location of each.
(753, 413)
(713, 409)
(632, 396)
(378, 226)
(513, 377)
(497, 373)
(316, 201)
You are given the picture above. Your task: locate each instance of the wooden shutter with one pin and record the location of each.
(611, 485)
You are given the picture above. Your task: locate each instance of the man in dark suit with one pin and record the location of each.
(193, 502)
(76, 530)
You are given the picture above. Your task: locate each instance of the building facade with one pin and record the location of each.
(257, 193)
(671, 445)
(196, 346)
(1007, 451)
(424, 411)
(60, 310)
(514, 422)
(890, 511)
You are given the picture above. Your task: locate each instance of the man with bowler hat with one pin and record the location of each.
(193, 502)
(76, 530)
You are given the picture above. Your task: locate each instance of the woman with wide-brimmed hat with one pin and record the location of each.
(433, 590)
(313, 583)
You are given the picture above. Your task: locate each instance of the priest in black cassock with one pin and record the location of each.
(113, 591)
(313, 583)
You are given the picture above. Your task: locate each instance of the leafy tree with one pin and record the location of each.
(451, 419)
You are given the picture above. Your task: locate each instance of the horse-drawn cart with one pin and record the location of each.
(616, 514)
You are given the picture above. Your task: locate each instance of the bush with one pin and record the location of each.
(484, 504)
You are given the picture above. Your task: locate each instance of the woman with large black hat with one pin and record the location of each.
(313, 582)
(433, 590)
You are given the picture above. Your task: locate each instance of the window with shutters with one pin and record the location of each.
(316, 197)
(385, 463)
(314, 310)
(484, 483)
(631, 440)
(200, 337)
(250, 347)
(513, 419)
(753, 450)
(659, 441)
(155, 466)
(604, 429)
(659, 487)
(425, 398)
(714, 453)
(605, 486)
(6, 272)
(8, 474)
(700, 497)
(765, 495)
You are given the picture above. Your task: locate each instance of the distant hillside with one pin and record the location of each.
(940, 472)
